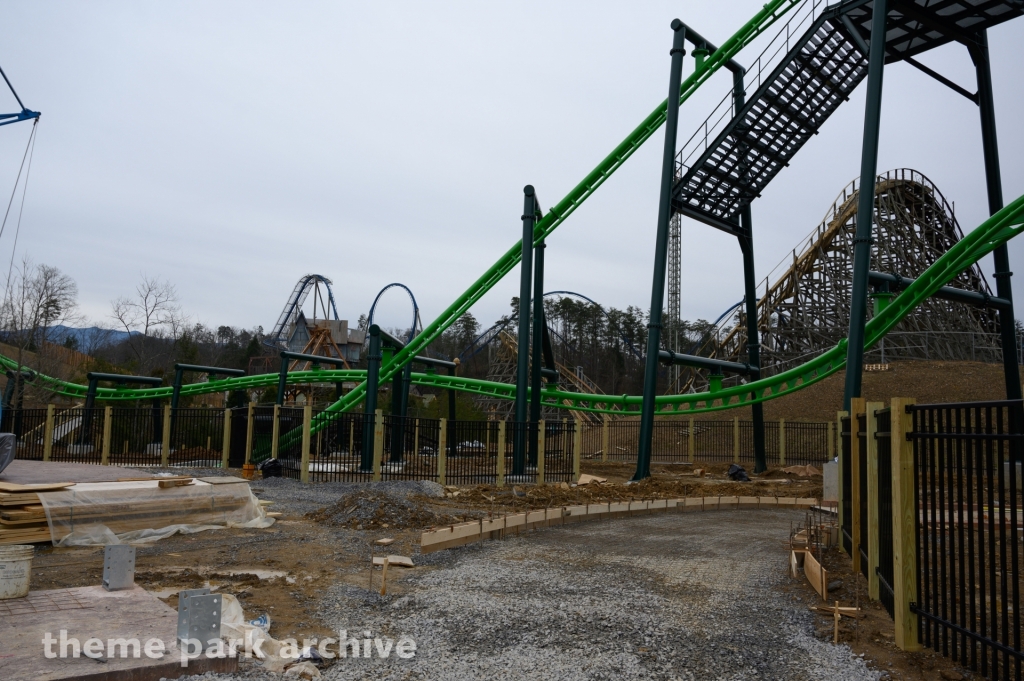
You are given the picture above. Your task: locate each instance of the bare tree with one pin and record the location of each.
(37, 299)
(153, 312)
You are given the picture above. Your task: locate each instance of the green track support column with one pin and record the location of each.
(865, 205)
(643, 459)
(536, 360)
(399, 408)
(753, 337)
(994, 183)
(523, 364)
(369, 411)
(282, 382)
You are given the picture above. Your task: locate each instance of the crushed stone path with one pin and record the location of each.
(660, 597)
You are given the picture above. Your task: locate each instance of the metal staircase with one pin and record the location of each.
(800, 80)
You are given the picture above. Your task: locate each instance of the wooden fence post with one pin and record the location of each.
(782, 442)
(307, 427)
(442, 446)
(378, 443)
(500, 482)
(275, 435)
(48, 434)
(540, 452)
(872, 500)
(830, 442)
(108, 415)
(165, 441)
(692, 442)
(577, 446)
(904, 537)
(225, 453)
(248, 433)
(604, 438)
(736, 440)
(856, 409)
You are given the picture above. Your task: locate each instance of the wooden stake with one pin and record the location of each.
(307, 423)
(577, 447)
(835, 636)
(105, 455)
(736, 440)
(248, 433)
(378, 443)
(692, 442)
(442, 444)
(275, 433)
(782, 442)
(48, 433)
(165, 441)
(604, 438)
(384, 578)
(226, 444)
(540, 451)
(500, 482)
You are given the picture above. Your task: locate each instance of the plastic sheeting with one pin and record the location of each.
(101, 513)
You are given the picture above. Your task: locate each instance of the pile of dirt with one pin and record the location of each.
(376, 510)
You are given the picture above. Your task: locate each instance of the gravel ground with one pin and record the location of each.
(659, 597)
(292, 496)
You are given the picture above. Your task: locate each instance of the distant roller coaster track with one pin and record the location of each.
(998, 229)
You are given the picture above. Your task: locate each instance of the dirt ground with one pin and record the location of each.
(872, 633)
(284, 570)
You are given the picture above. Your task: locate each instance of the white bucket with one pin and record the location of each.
(15, 570)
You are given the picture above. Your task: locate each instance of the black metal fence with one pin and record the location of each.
(197, 436)
(335, 446)
(968, 532)
(883, 436)
(862, 483)
(846, 476)
(712, 441)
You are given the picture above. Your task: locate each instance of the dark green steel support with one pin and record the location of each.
(400, 408)
(523, 360)
(753, 337)
(536, 360)
(179, 375)
(373, 358)
(994, 183)
(282, 381)
(94, 378)
(643, 459)
(865, 205)
(452, 413)
(746, 240)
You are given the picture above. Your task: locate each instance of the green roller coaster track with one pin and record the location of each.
(998, 229)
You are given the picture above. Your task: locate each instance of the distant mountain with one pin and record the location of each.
(89, 337)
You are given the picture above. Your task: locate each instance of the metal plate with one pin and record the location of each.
(204, 619)
(118, 567)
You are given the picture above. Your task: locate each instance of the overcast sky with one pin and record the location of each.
(232, 147)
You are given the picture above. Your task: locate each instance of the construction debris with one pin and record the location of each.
(369, 509)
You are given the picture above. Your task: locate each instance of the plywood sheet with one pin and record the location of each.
(23, 472)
